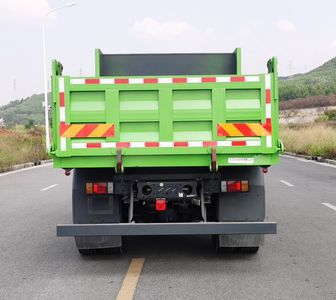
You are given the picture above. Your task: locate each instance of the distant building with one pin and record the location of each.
(2, 123)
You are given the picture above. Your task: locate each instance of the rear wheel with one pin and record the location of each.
(249, 250)
(88, 252)
(226, 250)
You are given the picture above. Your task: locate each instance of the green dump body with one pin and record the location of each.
(183, 110)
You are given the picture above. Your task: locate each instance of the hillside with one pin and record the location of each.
(24, 110)
(318, 82)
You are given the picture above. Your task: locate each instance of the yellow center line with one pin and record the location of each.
(131, 279)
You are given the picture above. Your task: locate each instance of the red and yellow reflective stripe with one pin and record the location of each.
(243, 129)
(86, 130)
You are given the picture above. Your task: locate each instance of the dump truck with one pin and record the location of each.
(166, 144)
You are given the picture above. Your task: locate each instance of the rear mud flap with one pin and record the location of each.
(241, 240)
(98, 242)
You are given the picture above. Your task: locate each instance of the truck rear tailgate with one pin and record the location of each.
(165, 120)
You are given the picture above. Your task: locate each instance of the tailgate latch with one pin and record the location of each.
(119, 166)
(214, 166)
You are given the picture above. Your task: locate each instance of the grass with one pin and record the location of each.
(21, 146)
(317, 139)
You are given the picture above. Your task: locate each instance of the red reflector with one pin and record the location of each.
(234, 186)
(100, 188)
(160, 204)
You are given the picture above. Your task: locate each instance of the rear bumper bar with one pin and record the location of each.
(167, 228)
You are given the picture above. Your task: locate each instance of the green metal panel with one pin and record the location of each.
(152, 112)
(166, 114)
(138, 106)
(88, 106)
(243, 105)
(98, 53)
(139, 132)
(238, 60)
(192, 131)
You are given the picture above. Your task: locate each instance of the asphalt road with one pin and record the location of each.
(297, 263)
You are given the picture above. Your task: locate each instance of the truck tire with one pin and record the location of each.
(249, 250)
(87, 210)
(89, 252)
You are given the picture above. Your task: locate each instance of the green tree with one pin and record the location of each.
(29, 124)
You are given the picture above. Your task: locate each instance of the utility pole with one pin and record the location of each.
(45, 78)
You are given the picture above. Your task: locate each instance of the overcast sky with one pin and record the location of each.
(302, 34)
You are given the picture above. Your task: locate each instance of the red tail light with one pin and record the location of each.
(234, 186)
(160, 204)
(100, 188)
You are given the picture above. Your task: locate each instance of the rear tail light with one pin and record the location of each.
(110, 187)
(244, 186)
(160, 204)
(223, 187)
(234, 186)
(89, 188)
(99, 188)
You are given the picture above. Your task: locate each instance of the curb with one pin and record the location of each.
(315, 158)
(26, 165)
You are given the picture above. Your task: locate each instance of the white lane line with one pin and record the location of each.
(49, 187)
(330, 206)
(25, 169)
(286, 183)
